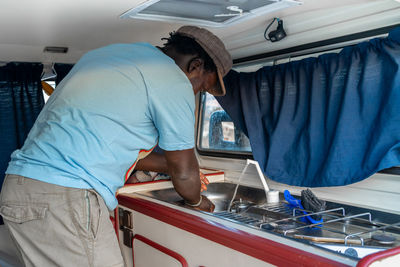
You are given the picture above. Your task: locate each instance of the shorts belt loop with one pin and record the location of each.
(20, 180)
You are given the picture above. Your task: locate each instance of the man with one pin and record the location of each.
(112, 109)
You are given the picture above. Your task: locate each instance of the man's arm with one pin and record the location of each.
(155, 162)
(184, 171)
(183, 168)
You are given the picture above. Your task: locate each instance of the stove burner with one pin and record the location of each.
(384, 239)
(279, 227)
(287, 227)
(267, 226)
(239, 206)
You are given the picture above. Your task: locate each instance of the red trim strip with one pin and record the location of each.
(255, 246)
(371, 258)
(215, 173)
(159, 247)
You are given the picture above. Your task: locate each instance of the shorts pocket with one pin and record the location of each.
(19, 213)
(94, 213)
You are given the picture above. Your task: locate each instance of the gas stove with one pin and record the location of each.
(349, 230)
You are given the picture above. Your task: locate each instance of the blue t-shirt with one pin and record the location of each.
(115, 102)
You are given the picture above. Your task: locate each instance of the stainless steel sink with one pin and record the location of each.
(351, 231)
(219, 193)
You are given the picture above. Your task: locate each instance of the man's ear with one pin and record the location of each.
(195, 64)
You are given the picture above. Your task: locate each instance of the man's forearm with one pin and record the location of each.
(188, 187)
(155, 162)
(184, 171)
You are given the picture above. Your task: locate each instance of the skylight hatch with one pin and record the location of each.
(214, 13)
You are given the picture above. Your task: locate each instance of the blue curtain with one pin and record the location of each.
(21, 100)
(326, 121)
(62, 70)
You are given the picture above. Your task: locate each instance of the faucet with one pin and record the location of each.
(260, 175)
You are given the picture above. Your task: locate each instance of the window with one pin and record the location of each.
(46, 94)
(217, 132)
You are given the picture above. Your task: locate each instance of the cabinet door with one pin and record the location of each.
(147, 253)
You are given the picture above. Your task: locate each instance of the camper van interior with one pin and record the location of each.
(301, 155)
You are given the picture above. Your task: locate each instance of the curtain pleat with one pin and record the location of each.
(326, 121)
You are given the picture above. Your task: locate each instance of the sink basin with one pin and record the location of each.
(219, 193)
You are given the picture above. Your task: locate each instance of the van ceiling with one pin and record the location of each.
(27, 26)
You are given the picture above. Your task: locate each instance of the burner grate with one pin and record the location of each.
(236, 217)
(331, 216)
(338, 227)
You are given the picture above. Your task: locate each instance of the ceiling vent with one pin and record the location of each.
(213, 13)
(55, 49)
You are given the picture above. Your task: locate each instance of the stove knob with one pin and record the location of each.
(351, 252)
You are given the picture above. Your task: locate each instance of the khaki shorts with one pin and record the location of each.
(58, 226)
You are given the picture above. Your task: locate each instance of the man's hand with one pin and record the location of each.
(205, 205)
(183, 168)
(204, 182)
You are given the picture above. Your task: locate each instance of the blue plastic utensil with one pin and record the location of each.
(297, 204)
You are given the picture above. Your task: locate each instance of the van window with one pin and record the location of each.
(45, 95)
(217, 132)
